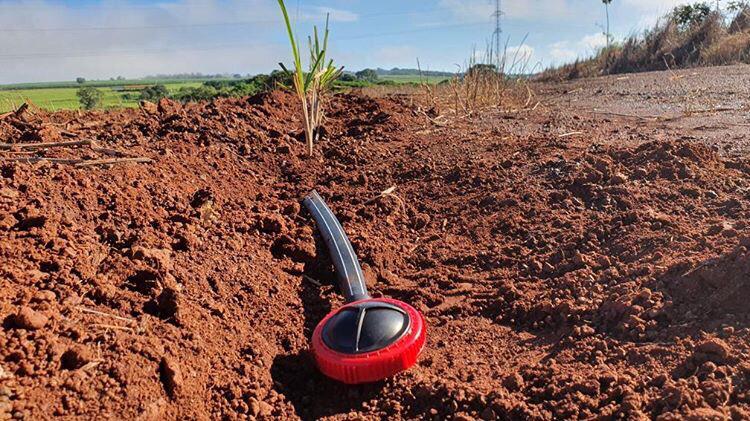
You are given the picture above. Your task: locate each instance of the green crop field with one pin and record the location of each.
(56, 96)
(414, 78)
(62, 96)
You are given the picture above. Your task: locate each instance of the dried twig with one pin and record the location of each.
(389, 193)
(100, 313)
(113, 327)
(110, 161)
(43, 145)
(34, 160)
(384, 193)
(569, 134)
(312, 280)
(17, 112)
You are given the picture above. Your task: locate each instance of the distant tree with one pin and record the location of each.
(368, 75)
(80, 80)
(479, 69)
(154, 93)
(738, 6)
(89, 97)
(606, 10)
(347, 77)
(691, 14)
(120, 78)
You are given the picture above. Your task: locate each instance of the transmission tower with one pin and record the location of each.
(498, 33)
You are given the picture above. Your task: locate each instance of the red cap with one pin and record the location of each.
(372, 366)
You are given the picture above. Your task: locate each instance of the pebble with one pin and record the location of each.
(76, 357)
(171, 375)
(44, 296)
(28, 319)
(265, 409)
(618, 178)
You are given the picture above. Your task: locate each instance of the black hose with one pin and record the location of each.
(351, 279)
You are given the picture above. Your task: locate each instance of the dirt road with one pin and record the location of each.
(711, 105)
(570, 264)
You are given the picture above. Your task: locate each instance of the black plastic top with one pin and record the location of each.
(351, 279)
(365, 327)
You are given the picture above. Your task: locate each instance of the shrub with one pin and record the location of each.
(367, 75)
(89, 97)
(154, 93)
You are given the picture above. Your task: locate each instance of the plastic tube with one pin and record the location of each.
(351, 279)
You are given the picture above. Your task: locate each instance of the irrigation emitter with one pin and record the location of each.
(368, 339)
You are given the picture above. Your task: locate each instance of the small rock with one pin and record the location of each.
(298, 250)
(488, 414)
(76, 358)
(535, 266)
(513, 382)
(28, 319)
(254, 407)
(160, 259)
(8, 193)
(640, 173)
(705, 414)
(265, 409)
(149, 107)
(618, 178)
(168, 304)
(167, 106)
(579, 259)
(272, 224)
(292, 209)
(462, 416)
(171, 376)
(44, 296)
(714, 350)
(7, 222)
(603, 261)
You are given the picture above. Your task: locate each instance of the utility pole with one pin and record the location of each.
(498, 33)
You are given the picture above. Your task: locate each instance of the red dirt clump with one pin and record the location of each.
(560, 277)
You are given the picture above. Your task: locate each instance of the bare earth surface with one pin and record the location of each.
(570, 264)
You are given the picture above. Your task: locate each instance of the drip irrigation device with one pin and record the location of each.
(368, 339)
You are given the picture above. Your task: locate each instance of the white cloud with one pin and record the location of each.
(469, 10)
(395, 55)
(593, 42)
(652, 6)
(336, 15)
(650, 11)
(208, 36)
(567, 51)
(520, 59)
(561, 52)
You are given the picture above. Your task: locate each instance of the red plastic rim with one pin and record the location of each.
(376, 365)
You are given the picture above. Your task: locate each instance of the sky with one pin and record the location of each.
(53, 40)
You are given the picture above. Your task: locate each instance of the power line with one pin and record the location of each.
(139, 28)
(86, 54)
(498, 30)
(191, 25)
(410, 31)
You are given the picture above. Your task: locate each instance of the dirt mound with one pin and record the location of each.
(561, 277)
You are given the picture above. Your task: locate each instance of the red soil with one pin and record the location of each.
(603, 275)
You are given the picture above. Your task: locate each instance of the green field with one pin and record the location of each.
(56, 96)
(414, 78)
(62, 95)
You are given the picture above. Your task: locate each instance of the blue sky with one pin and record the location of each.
(43, 40)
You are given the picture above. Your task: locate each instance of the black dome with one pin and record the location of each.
(365, 327)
